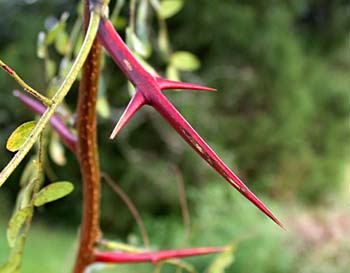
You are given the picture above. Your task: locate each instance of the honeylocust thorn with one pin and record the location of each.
(154, 257)
(149, 91)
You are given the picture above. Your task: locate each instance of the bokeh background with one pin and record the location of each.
(280, 120)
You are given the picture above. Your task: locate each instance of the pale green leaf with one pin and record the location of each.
(78, 44)
(19, 136)
(13, 264)
(103, 107)
(146, 65)
(25, 195)
(169, 8)
(30, 172)
(15, 224)
(185, 61)
(172, 73)
(163, 41)
(142, 49)
(41, 46)
(142, 25)
(131, 89)
(53, 192)
(50, 68)
(56, 29)
(221, 262)
(65, 66)
(62, 43)
(155, 4)
(119, 22)
(56, 150)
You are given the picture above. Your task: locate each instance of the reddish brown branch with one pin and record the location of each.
(88, 154)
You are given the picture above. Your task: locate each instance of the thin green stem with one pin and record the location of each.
(56, 100)
(117, 9)
(74, 36)
(132, 15)
(25, 86)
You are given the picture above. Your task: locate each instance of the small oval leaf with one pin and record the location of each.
(41, 46)
(53, 192)
(57, 29)
(15, 224)
(169, 8)
(30, 172)
(56, 150)
(103, 108)
(62, 43)
(19, 136)
(172, 73)
(185, 61)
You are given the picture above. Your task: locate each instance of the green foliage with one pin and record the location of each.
(169, 8)
(58, 253)
(221, 263)
(53, 192)
(184, 61)
(19, 136)
(16, 222)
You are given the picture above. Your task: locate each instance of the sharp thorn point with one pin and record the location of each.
(134, 105)
(259, 204)
(168, 84)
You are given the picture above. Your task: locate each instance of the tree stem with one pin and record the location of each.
(87, 152)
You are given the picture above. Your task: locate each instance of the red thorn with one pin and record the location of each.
(135, 104)
(168, 84)
(150, 87)
(154, 257)
(178, 122)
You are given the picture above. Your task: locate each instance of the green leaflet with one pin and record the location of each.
(14, 262)
(62, 43)
(169, 8)
(221, 262)
(19, 136)
(52, 192)
(15, 224)
(184, 61)
(56, 29)
(56, 150)
(172, 73)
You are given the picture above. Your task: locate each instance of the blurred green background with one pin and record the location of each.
(280, 120)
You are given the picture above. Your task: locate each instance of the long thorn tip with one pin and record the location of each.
(168, 84)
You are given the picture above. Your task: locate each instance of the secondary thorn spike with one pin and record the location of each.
(168, 84)
(134, 105)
